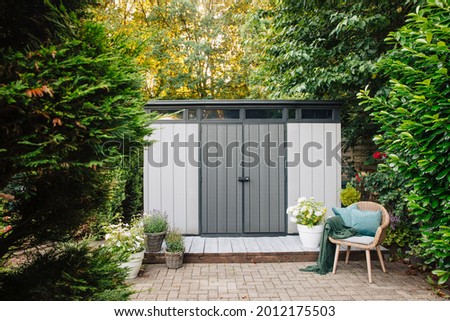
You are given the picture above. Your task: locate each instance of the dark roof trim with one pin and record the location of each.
(242, 103)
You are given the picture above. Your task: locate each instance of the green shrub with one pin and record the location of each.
(389, 189)
(71, 105)
(350, 195)
(401, 235)
(413, 114)
(133, 204)
(71, 271)
(109, 209)
(124, 239)
(155, 222)
(174, 242)
(436, 251)
(323, 50)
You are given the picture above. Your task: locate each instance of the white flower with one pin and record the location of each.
(308, 211)
(290, 209)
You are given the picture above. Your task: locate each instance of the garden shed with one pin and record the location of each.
(232, 167)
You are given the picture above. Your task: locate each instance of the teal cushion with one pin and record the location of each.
(345, 213)
(365, 222)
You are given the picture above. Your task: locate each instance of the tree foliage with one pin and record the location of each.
(193, 48)
(28, 24)
(70, 103)
(65, 273)
(414, 120)
(324, 50)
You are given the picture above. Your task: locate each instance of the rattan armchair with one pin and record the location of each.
(366, 243)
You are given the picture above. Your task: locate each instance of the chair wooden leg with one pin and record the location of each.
(380, 256)
(347, 254)
(336, 258)
(369, 266)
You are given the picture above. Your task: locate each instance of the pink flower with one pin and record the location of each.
(6, 218)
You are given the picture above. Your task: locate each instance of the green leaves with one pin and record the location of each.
(71, 107)
(443, 275)
(188, 51)
(67, 272)
(87, 100)
(414, 124)
(323, 51)
(444, 174)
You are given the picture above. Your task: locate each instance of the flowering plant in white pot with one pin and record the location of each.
(309, 216)
(126, 241)
(307, 212)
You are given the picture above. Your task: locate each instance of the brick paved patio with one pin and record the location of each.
(278, 281)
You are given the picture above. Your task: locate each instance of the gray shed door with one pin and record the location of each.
(243, 188)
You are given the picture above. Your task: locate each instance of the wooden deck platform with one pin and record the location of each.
(245, 249)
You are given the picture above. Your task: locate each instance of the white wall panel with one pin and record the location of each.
(173, 188)
(305, 179)
(333, 168)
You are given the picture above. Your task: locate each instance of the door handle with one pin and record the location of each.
(243, 179)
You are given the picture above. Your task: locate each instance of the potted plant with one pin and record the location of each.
(174, 250)
(155, 228)
(126, 241)
(309, 216)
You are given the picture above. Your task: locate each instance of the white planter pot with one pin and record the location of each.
(133, 264)
(310, 236)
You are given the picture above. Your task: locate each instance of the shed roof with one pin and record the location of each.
(183, 104)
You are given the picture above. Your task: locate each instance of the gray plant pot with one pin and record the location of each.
(154, 241)
(174, 260)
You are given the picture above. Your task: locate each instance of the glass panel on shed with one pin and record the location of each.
(192, 114)
(219, 114)
(291, 113)
(317, 113)
(264, 113)
(170, 114)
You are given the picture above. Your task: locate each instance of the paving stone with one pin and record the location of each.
(278, 281)
(301, 298)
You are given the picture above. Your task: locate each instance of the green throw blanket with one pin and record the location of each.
(334, 227)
